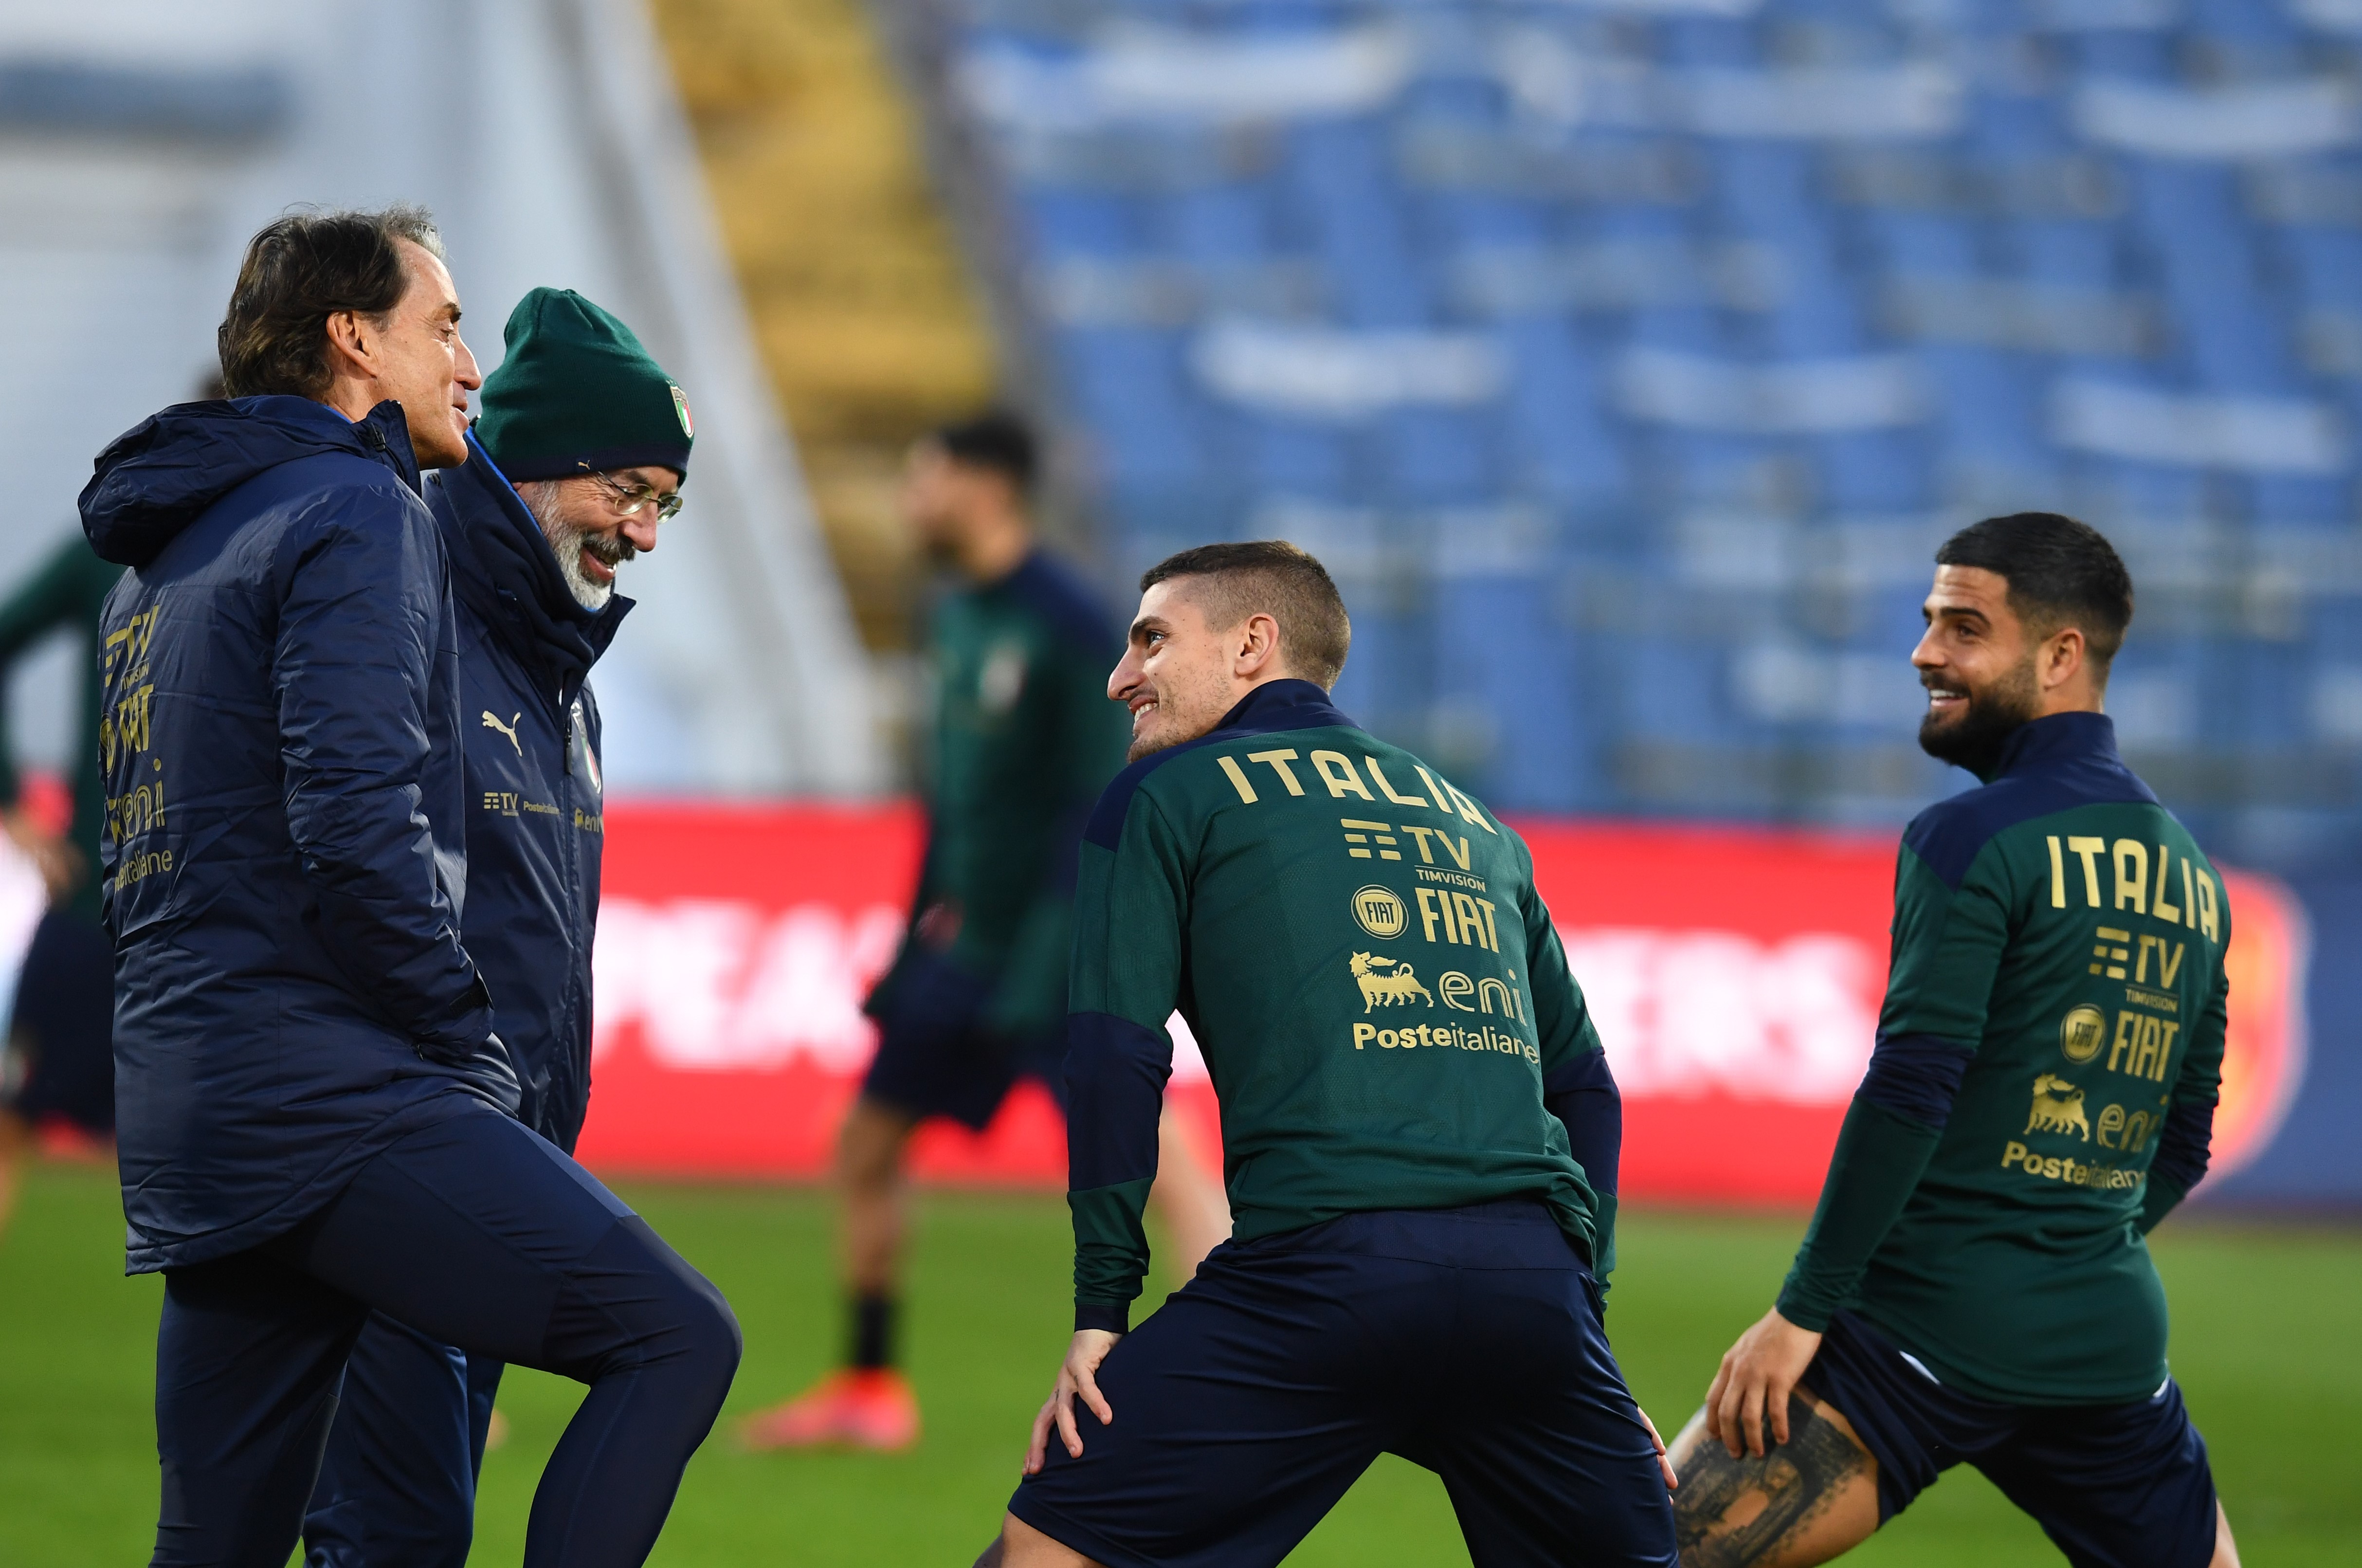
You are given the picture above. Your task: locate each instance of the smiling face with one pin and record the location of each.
(589, 530)
(1983, 665)
(423, 363)
(1179, 675)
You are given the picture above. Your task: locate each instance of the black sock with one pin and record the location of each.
(873, 1332)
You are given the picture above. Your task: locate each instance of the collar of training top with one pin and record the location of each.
(1288, 704)
(2058, 737)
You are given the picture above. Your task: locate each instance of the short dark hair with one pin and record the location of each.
(1274, 578)
(2061, 573)
(997, 440)
(301, 268)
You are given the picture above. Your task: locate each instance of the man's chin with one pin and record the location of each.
(1972, 737)
(1155, 737)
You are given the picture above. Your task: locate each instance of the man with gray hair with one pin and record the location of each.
(596, 437)
(317, 1118)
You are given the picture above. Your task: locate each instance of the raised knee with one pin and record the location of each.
(714, 1340)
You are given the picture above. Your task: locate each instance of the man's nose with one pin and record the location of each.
(640, 528)
(465, 371)
(1123, 679)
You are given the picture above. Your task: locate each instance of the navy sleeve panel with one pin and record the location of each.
(1115, 1090)
(1916, 1077)
(1113, 1317)
(2184, 1146)
(1275, 705)
(1584, 1097)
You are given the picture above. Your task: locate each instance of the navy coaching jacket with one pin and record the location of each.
(282, 860)
(534, 826)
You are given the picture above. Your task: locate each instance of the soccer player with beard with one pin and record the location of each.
(1974, 1285)
(1420, 1132)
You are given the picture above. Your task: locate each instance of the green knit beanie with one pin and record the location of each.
(577, 392)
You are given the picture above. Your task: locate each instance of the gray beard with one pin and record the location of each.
(567, 541)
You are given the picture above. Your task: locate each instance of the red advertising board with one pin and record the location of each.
(1735, 975)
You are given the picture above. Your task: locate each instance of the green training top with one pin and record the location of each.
(67, 589)
(1359, 952)
(1025, 739)
(2058, 955)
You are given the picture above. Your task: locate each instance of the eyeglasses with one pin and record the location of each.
(630, 498)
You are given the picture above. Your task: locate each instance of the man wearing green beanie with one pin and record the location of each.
(579, 454)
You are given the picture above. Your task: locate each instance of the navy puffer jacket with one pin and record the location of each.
(536, 816)
(282, 861)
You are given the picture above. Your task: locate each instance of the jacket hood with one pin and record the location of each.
(503, 570)
(160, 475)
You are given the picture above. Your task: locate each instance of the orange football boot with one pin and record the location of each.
(867, 1407)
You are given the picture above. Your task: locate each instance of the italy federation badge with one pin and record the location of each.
(680, 407)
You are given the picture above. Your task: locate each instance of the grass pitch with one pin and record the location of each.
(2263, 1342)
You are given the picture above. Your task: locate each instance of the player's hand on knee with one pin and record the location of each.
(1078, 1378)
(1663, 1464)
(1754, 1381)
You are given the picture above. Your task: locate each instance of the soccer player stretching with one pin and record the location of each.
(1420, 1131)
(1974, 1285)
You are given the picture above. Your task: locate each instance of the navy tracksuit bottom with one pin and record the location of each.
(398, 1483)
(476, 1232)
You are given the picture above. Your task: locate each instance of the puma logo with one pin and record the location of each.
(508, 729)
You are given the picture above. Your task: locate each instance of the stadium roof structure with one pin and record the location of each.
(1629, 357)
(142, 142)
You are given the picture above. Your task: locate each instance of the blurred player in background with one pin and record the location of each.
(58, 1058)
(315, 1118)
(581, 450)
(1422, 1133)
(1025, 740)
(1974, 1286)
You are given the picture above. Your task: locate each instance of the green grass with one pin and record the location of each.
(2264, 1344)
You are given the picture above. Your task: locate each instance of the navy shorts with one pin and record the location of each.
(935, 1059)
(62, 1034)
(2112, 1486)
(1468, 1341)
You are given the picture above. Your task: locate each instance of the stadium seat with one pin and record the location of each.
(2089, 286)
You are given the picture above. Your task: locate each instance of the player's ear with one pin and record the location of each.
(1258, 644)
(2063, 653)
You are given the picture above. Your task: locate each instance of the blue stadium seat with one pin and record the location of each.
(2011, 258)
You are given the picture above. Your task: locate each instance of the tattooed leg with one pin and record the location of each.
(1803, 1502)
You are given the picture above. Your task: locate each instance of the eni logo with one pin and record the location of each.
(1381, 911)
(508, 729)
(2081, 1033)
(1386, 990)
(2057, 1108)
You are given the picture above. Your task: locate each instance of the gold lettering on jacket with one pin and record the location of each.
(2134, 888)
(1341, 773)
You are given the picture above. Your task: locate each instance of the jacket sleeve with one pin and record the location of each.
(1947, 948)
(46, 600)
(1131, 902)
(2186, 1142)
(1577, 1086)
(358, 641)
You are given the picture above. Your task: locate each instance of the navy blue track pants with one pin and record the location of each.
(1468, 1341)
(397, 1486)
(479, 1234)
